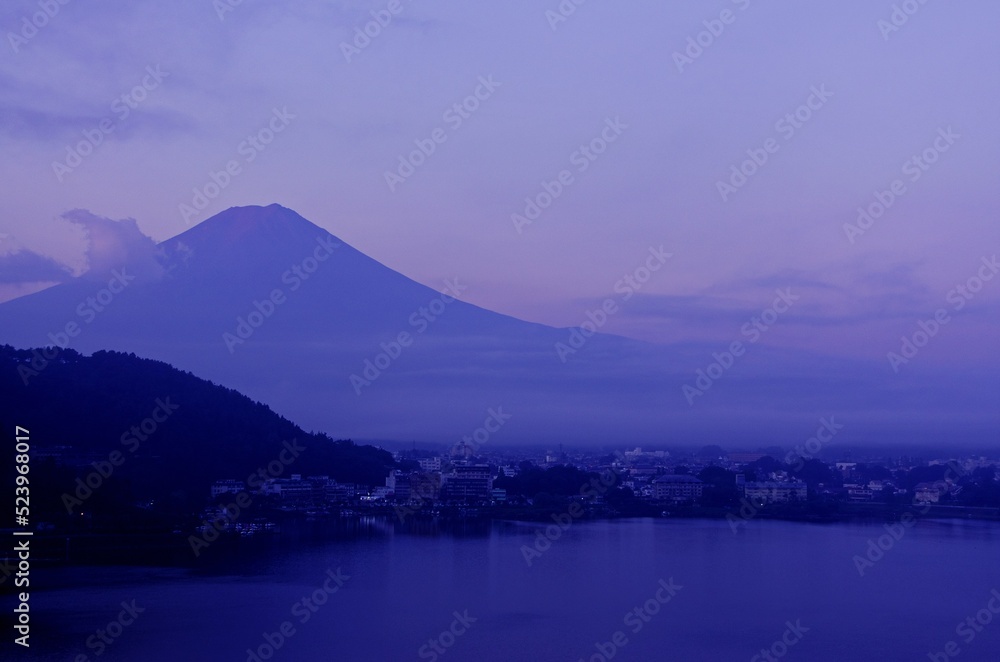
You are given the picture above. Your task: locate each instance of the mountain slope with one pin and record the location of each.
(175, 433)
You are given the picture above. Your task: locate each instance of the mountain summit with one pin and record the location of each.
(271, 223)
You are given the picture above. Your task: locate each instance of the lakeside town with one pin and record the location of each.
(465, 482)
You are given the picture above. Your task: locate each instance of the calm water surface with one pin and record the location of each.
(737, 593)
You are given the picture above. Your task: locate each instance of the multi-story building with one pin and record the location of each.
(677, 488)
(293, 491)
(414, 485)
(398, 483)
(773, 492)
(335, 492)
(317, 486)
(221, 487)
(430, 463)
(425, 486)
(856, 492)
(468, 482)
(926, 493)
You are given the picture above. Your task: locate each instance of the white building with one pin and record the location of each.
(430, 464)
(677, 488)
(221, 487)
(773, 492)
(926, 493)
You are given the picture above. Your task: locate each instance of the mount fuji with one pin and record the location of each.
(263, 301)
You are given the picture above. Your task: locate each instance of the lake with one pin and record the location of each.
(661, 589)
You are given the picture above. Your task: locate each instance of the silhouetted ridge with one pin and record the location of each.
(81, 408)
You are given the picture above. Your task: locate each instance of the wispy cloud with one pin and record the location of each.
(113, 244)
(25, 266)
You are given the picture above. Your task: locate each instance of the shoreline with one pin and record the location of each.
(74, 549)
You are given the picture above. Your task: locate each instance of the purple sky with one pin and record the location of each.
(656, 184)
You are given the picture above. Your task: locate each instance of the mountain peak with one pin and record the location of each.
(272, 223)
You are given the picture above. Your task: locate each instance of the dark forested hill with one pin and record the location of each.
(176, 433)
